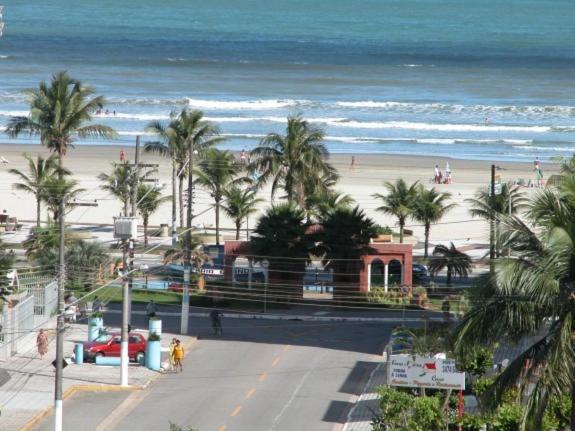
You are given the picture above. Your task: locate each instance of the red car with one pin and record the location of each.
(109, 345)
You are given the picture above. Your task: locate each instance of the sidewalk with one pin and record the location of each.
(367, 404)
(29, 392)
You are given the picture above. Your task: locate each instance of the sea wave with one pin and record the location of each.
(524, 110)
(540, 148)
(442, 127)
(256, 105)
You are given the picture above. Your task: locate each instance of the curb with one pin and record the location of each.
(306, 318)
(71, 391)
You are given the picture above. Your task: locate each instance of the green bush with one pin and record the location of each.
(154, 336)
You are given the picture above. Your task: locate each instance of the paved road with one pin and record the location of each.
(260, 375)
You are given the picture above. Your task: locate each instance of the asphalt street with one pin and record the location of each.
(260, 375)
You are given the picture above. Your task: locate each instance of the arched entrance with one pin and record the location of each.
(377, 274)
(395, 273)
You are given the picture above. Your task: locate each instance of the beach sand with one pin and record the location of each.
(366, 178)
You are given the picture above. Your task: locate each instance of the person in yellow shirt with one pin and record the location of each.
(178, 355)
(172, 361)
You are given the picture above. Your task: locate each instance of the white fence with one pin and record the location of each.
(37, 302)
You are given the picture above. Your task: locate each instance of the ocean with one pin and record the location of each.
(477, 80)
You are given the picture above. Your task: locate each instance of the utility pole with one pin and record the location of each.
(188, 255)
(128, 246)
(60, 318)
(492, 218)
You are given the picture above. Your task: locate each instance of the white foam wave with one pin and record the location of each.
(526, 110)
(14, 113)
(4, 57)
(437, 127)
(255, 105)
(539, 148)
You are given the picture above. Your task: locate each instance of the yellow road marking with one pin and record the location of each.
(275, 362)
(250, 393)
(223, 428)
(263, 377)
(286, 348)
(236, 411)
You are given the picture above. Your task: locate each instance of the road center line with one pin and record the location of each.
(263, 376)
(236, 411)
(250, 393)
(276, 360)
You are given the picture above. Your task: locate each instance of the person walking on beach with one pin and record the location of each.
(437, 175)
(352, 166)
(243, 157)
(178, 356)
(42, 343)
(447, 173)
(122, 156)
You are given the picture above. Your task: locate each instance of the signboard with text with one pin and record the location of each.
(427, 372)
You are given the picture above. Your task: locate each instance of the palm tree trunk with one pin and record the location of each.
(425, 252)
(238, 226)
(174, 205)
(217, 222)
(448, 281)
(181, 200)
(401, 224)
(38, 210)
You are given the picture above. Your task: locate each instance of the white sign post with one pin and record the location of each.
(424, 372)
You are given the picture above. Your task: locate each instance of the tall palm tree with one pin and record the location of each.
(150, 199)
(430, 207)
(484, 206)
(39, 170)
(217, 172)
(294, 160)
(531, 294)
(184, 127)
(458, 264)
(399, 201)
(177, 253)
(85, 260)
(239, 204)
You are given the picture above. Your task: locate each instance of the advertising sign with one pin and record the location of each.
(420, 371)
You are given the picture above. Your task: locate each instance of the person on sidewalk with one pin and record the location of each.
(178, 356)
(171, 358)
(42, 343)
(151, 309)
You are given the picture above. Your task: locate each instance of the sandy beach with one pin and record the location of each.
(366, 178)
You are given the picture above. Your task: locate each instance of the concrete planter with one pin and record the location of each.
(155, 325)
(95, 325)
(153, 355)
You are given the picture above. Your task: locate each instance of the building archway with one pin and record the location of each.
(395, 270)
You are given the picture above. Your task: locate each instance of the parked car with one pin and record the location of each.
(419, 270)
(109, 345)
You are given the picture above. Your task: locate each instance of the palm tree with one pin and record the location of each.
(484, 206)
(430, 207)
(7, 260)
(60, 112)
(85, 260)
(293, 161)
(344, 237)
(57, 190)
(319, 204)
(456, 262)
(531, 295)
(281, 238)
(399, 201)
(34, 182)
(184, 127)
(239, 204)
(216, 173)
(178, 253)
(150, 199)
(120, 182)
